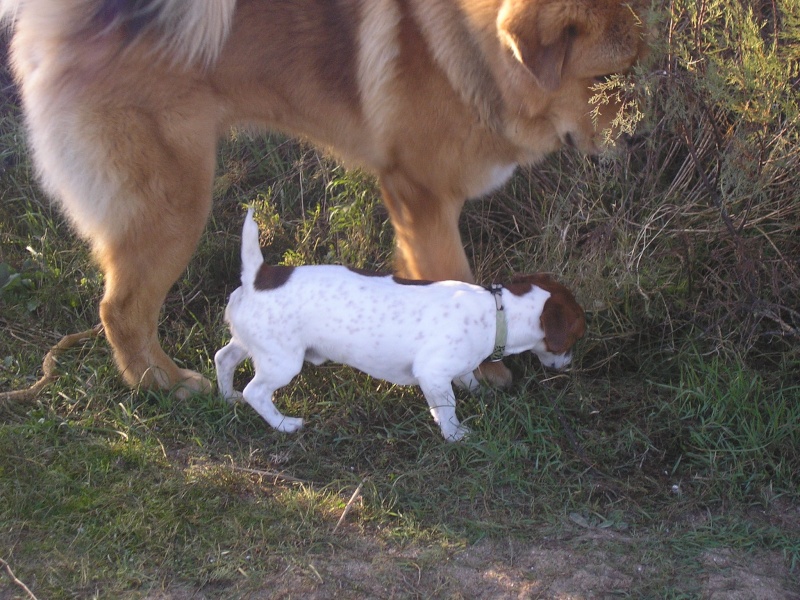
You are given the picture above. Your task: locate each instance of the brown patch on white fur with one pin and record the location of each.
(270, 277)
(395, 278)
(440, 98)
(563, 319)
(368, 272)
(404, 281)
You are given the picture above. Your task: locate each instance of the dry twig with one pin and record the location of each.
(49, 366)
(349, 505)
(16, 580)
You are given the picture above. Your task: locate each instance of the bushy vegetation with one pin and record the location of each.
(681, 414)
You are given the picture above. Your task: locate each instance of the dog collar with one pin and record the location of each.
(501, 331)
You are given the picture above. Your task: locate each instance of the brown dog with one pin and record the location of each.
(442, 99)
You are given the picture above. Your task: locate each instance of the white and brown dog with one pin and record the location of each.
(408, 332)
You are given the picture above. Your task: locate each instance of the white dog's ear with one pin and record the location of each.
(540, 37)
(555, 326)
(563, 322)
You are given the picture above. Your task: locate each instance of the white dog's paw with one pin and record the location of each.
(289, 425)
(233, 397)
(456, 434)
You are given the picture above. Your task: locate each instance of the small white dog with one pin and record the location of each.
(431, 334)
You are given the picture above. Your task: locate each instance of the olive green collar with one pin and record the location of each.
(501, 331)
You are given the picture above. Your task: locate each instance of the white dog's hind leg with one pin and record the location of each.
(271, 374)
(226, 360)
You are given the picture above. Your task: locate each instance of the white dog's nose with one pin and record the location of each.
(556, 361)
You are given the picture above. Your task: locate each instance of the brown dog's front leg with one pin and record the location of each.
(426, 231)
(496, 373)
(429, 244)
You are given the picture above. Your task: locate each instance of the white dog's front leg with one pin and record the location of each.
(226, 360)
(442, 401)
(468, 382)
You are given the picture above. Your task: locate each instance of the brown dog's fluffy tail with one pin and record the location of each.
(188, 31)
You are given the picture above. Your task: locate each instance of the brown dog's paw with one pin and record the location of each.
(494, 373)
(191, 383)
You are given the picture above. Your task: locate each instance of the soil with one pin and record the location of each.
(550, 570)
(591, 567)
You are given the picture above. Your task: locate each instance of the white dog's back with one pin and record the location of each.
(372, 328)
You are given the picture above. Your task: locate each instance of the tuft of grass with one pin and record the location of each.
(739, 435)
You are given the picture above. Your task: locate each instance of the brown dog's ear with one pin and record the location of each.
(540, 38)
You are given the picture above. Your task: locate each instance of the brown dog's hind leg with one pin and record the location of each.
(429, 244)
(156, 209)
(138, 278)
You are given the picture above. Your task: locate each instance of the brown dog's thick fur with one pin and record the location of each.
(441, 99)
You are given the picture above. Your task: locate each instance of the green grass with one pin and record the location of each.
(675, 435)
(122, 491)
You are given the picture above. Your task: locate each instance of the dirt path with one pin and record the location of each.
(583, 568)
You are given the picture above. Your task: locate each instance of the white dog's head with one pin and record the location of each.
(562, 319)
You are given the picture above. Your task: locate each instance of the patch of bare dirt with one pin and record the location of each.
(587, 568)
(590, 567)
(732, 577)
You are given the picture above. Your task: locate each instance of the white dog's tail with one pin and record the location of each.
(187, 31)
(252, 259)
